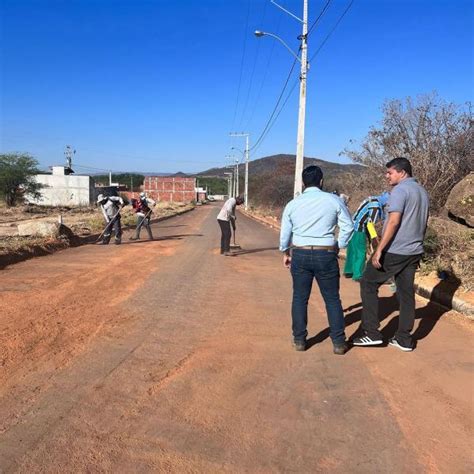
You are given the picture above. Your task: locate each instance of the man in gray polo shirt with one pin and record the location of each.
(397, 255)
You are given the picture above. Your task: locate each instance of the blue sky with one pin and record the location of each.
(158, 85)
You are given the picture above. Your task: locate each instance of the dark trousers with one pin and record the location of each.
(225, 235)
(322, 265)
(403, 268)
(115, 227)
(143, 221)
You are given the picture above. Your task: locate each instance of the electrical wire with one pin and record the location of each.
(253, 69)
(241, 64)
(323, 11)
(267, 69)
(332, 31)
(260, 138)
(270, 125)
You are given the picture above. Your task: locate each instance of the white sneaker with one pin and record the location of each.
(393, 342)
(366, 341)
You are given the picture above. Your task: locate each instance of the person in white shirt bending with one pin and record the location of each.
(226, 218)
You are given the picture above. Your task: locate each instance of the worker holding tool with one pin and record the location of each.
(226, 218)
(111, 206)
(142, 207)
(370, 211)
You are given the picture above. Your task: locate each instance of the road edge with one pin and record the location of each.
(430, 293)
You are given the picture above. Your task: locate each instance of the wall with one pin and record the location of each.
(65, 190)
(171, 189)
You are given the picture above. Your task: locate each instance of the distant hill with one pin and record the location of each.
(270, 164)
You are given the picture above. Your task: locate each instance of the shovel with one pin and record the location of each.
(109, 224)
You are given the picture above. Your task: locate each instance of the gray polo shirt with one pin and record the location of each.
(411, 199)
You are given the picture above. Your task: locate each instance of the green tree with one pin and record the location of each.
(17, 172)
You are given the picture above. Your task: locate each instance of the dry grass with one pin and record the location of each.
(82, 222)
(449, 248)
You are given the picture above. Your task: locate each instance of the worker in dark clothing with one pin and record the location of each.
(142, 207)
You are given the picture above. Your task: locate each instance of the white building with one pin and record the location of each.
(61, 189)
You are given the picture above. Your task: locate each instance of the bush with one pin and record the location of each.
(436, 136)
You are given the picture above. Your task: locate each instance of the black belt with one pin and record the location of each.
(316, 247)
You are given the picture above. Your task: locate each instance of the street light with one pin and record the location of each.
(302, 103)
(259, 34)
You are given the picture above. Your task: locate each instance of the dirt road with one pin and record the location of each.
(166, 357)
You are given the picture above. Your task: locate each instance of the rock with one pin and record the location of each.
(460, 203)
(42, 228)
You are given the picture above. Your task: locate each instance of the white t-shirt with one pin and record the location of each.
(228, 210)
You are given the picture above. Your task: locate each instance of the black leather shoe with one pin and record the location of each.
(299, 346)
(341, 349)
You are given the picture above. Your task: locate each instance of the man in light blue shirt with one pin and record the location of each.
(308, 226)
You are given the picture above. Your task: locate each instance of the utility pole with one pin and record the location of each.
(302, 102)
(237, 191)
(302, 107)
(68, 152)
(234, 173)
(246, 153)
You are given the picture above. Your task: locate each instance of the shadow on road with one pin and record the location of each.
(170, 226)
(428, 315)
(160, 239)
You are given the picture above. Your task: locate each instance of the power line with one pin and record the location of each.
(270, 125)
(253, 69)
(242, 63)
(332, 31)
(275, 108)
(323, 11)
(267, 68)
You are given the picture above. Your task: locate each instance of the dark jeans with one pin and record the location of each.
(115, 227)
(143, 221)
(225, 235)
(323, 266)
(403, 268)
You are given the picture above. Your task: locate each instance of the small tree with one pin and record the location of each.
(17, 171)
(436, 136)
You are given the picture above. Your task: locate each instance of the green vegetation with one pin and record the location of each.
(214, 185)
(17, 171)
(123, 178)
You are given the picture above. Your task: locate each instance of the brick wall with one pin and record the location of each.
(171, 189)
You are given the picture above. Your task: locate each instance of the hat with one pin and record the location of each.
(101, 198)
(142, 195)
(383, 198)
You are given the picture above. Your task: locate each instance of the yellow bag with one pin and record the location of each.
(372, 231)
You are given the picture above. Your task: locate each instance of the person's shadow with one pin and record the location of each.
(429, 315)
(387, 305)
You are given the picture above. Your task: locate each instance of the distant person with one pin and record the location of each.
(397, 255)
(142, 208)
(226, 218)
(110, 206)
(369, 212)
(308, 225)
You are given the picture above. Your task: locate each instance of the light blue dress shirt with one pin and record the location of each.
(311, 219)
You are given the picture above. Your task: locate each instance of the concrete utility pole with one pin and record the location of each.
(68, 152)
(229, 183)
(302, 104)
(302, 107)
(232, 167)
(246, 189)
(237, 191)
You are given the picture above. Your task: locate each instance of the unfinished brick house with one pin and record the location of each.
(170, 188)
